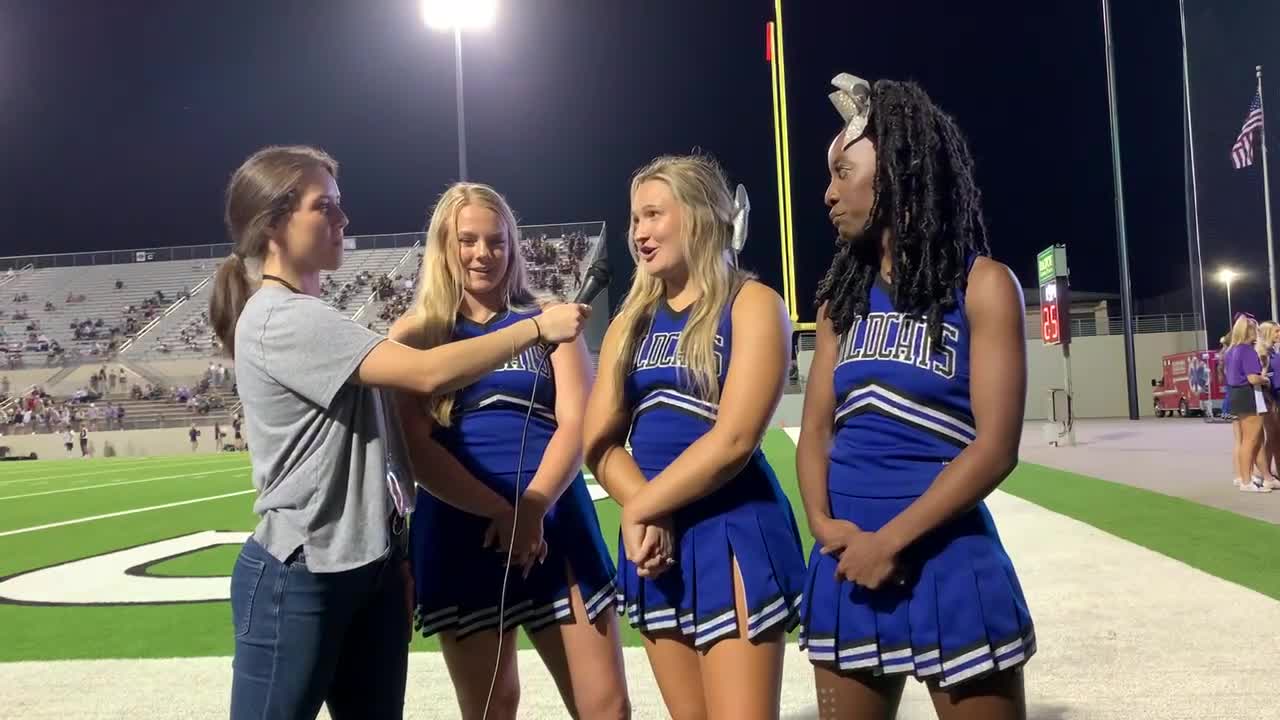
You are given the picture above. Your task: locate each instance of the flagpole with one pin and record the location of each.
(1122, 244)
(1193, 201)
(1266, 202)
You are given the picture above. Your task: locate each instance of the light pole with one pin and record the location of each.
(456, 16)
(1226, 276)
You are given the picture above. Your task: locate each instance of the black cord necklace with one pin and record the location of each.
(282, 281)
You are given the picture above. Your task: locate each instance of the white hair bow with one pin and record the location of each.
(741, 209)
(852, 99)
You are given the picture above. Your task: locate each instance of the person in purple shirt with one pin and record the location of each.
(1246, 380)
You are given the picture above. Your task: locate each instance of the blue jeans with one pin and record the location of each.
(303, 639)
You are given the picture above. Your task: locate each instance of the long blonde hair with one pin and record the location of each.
(440, 284)
(699, 186)
(1266, 339)
(1244, 331)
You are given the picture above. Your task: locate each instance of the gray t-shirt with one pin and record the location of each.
(319, 460)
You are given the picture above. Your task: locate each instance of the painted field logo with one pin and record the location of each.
(123, 577)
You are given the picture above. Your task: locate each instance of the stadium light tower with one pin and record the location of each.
(459, 15)
(1226, 276)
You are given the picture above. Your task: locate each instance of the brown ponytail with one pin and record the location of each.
(263, 191)
(231, 290)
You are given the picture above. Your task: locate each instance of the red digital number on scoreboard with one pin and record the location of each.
(1050, 331)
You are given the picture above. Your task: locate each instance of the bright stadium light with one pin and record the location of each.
(459, 14)
(456, 16)
(1226, 276)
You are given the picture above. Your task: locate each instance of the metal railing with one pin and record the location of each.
(373, 296)
(11, 273)
(1142, 324)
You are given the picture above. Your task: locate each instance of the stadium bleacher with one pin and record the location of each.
(184, 331)
(147, 322)
(77, 308)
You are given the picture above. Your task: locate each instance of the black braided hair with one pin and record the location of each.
(926, 195)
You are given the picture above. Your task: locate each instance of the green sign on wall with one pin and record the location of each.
(1046, 268)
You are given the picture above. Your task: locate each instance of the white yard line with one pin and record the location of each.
(122, 513)
(793, 433)
(118, 483)
(114, 469)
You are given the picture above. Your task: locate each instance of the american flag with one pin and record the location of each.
(1242, 151)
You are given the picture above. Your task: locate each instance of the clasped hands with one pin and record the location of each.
(864, 558)
(527, 545)
(650, 546)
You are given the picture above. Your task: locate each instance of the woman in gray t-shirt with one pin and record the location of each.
(320, 593)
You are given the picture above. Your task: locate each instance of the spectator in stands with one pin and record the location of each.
(307, 376)
(4, 386)
(119, 284)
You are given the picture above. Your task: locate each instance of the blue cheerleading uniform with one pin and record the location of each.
(747, 518)
(457, 581)
(903, 412)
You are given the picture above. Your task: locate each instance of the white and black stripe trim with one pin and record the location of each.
(717, 625)
(489, 402)
(524, 614)
(922, 663)
(948, 426)
(676, 400)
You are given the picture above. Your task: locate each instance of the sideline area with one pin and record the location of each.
(1133, 616)
(1123, 632)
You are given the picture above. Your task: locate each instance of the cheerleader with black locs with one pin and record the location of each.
(913, 414)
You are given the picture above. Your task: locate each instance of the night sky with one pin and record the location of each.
(122, 120)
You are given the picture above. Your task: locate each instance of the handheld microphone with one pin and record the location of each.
(596, 281)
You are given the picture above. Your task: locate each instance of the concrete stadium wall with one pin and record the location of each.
(123, 443)
(22, 379)
(181, 369)
(1098, 381)
(1097, 374)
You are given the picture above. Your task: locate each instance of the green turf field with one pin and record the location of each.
(56, 512)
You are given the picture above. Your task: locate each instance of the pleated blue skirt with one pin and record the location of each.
(961, 615)
(458, 582)
(750, 520)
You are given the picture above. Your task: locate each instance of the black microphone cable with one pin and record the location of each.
(515, 521)
(597, 277)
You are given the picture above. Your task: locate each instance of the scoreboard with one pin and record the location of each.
(1055, 296)
(1053, 304)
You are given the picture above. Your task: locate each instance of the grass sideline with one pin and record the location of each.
(1220, 543)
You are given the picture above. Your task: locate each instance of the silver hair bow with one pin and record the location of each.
(741, 209)
(852, 99)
